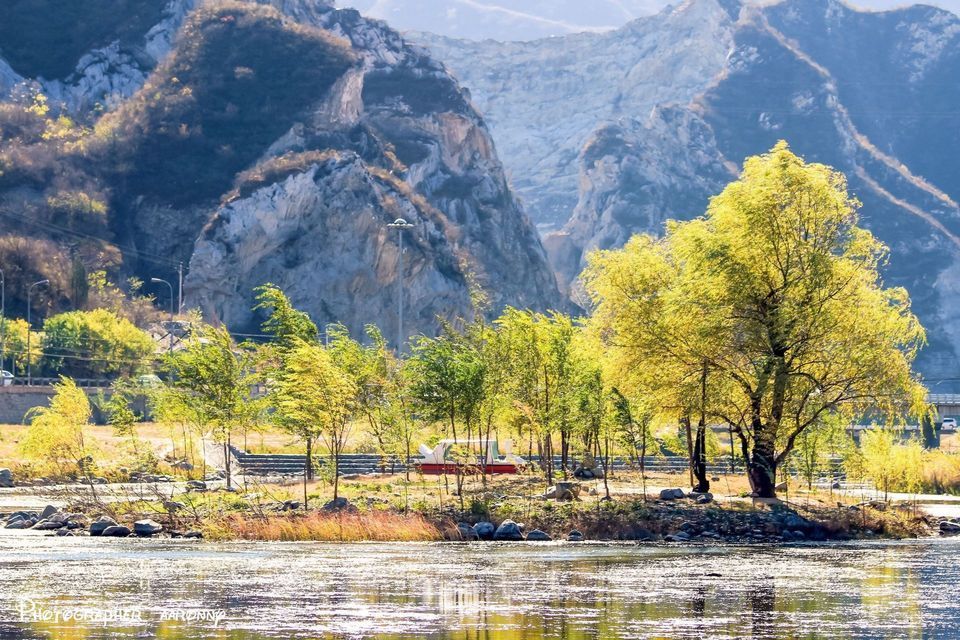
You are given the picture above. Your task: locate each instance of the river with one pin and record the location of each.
(126, 588)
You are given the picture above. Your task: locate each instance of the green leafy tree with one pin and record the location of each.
(58, 434)
(95, 344)
(777, 294)
(284, 322)
(214, 377)
(314, 398)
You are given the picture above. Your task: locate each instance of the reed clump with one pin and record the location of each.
(319, 526)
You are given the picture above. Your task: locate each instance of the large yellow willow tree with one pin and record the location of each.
(767, 314)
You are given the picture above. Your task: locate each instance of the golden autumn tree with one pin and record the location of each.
(767, 314)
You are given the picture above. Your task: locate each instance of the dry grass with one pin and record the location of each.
(377, 526)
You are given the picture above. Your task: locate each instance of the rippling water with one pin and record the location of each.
(866, 590)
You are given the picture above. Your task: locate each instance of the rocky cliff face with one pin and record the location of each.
(872, 94)
(220, 151)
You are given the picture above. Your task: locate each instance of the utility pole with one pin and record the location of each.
(400, 225)
(170, 328)
(180, 289)
(29, 330)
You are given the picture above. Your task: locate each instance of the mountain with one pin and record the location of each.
(524, 20)
(255, 141)
(671, 105)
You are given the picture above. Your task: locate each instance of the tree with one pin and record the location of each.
(777, 292)
(94, 344)
(314, 398)
(214, 377)
(286, 323)
(58, 433)
(15, 346)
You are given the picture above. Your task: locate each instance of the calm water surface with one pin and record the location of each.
(865, 590)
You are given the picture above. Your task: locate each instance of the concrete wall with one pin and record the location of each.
(15, 402)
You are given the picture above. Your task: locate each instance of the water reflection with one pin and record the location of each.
(480, 591)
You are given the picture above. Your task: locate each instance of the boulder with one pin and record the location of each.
(538, 536)
(193, 535)
(147, 527)
(118, 531)
(48, 511)
(64, 532)
(680, 536)
(25, 523)
(672, 494)
(508, 530)
(467, 532)
(49, 525)
(339, 504)
(485, 530)
(574, 536)
(98, 526)
(290, 505)
(6, 478)
(950, 527)
(563, 491)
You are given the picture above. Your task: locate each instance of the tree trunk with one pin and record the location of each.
(226, 461)
(762, 470)
(702, 483)
(308, 463)
(685, 421)
(606, 465)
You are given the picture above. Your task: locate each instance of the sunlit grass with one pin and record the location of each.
(376, 526)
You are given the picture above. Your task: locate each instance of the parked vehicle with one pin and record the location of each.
(6, 378)
(948, 424)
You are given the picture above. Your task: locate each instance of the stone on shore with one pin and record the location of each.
(485, 530)
(563, 491)
(98, 526)
(340, 504)
(6, 478)
(193, 535)
(467, 532)
(950, 527)
(574, 536)
(147, 527)
(196, 485)
(672, 494)
(118, 531)
(23, 523)
(508, 530)
(538, 536)
(48, 511)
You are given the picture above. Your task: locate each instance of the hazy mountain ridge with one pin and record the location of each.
(870, 93)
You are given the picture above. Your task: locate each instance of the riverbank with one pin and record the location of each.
(387, 508)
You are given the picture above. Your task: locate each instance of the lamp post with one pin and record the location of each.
(29, 327)
(400, 225)
(169, 330)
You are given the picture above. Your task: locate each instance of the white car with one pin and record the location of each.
(6, 378)
(948, 424)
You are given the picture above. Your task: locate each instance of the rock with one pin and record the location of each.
(703, 498)
(538, 536)
(98, 526)
(467, 532)
(339, 504)
(574, 536)
(835, 485)
(781, 487)
(564, 491)
(118, 531)
(193, 535)
(290, 505)
(25, 523)
(508, 530)
(6, 478)
(147, 527)
(794, 521)
(182, 465)
(48, 511)
(64, 532)
(49, 525)
(949, 527)
(485, 530)
(672, 494)
(196, 485)
(680, 536)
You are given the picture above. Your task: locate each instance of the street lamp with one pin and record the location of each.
(29, 355)
(400, 225)
(170, 330)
